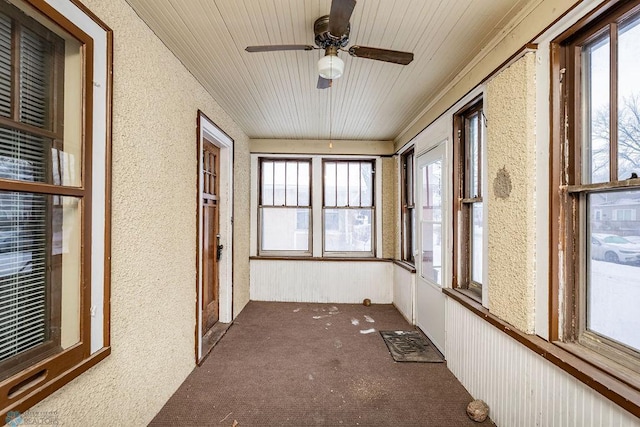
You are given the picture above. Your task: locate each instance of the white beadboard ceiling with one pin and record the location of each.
(274, 95)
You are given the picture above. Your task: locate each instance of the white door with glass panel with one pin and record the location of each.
(431, 201)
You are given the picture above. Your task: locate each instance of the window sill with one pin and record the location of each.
(404, 264)
(563, 356)
(48, 388)
(308, 258)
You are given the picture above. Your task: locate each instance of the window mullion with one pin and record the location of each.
(336, 181)
(273, 184)
(286, 182)
(613, 102)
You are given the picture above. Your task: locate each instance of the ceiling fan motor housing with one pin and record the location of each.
(324, 38)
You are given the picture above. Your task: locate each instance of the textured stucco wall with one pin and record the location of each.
(511, 169)
(389, 207)
(154, 230)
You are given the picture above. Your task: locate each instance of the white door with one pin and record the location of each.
(432, 244)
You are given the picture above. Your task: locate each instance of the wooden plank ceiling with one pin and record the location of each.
(274, 95)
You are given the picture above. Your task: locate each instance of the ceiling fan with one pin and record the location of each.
(332, 34)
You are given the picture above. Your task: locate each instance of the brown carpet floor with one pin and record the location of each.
(297, 364)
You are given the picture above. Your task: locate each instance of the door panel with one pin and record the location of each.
(432, 244)
(210, 268)
(211, 237)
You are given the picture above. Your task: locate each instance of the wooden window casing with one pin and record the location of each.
(571, 188)
(39, 371)
(268, 200)
(408, 206)
(27, 123)
(467, 192)
(331, 201)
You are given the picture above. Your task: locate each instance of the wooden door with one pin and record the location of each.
(211, 248)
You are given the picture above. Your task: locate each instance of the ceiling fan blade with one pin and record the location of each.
(324, 83)
(393, 56)
(339, 16)
(278, 47)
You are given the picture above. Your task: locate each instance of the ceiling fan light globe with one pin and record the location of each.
(330, 67)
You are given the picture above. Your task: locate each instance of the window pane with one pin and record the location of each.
(279, 176)
(292, 183)
(354, 183)
(342, 183)
(596, 111)
(40, 254)
(267, 183)
(348, 230)
(303, 184)
(23, 156)
(432, 221)
(474, 153)
(408, 243)
(476, 243)
(613, 266)
(409, 185)
(330, 184)
(431, 252)
(366, 185)
(433, 196)
(36, 69)
(284, 229)
(629, 100)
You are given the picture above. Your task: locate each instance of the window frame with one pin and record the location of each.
(355, 254)
(260, 206)
(463, 202)
(40, 379)
(569, 240)
(407, 206)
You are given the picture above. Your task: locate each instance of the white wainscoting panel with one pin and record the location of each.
(520, 387)
(403, 291)
(322, 281)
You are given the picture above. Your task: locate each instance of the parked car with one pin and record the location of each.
(633, 239)
(612, 248)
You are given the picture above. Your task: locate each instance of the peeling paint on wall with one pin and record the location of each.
(502, 184)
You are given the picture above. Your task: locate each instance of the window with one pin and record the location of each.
(596, 165)
(623, 215)
(348, 213)
(298, 195)
(47, 185)
(408, 207)
(468, 255)
(285, 206)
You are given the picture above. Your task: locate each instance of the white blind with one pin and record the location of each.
(22, 272)
(35, 79)
(24, 217)
(23, 156)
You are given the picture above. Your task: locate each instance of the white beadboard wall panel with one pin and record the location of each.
(521, 387)
(273, 95)
(322, 281)
(403, 291)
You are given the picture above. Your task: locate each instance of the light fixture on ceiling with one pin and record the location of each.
(330, 66)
